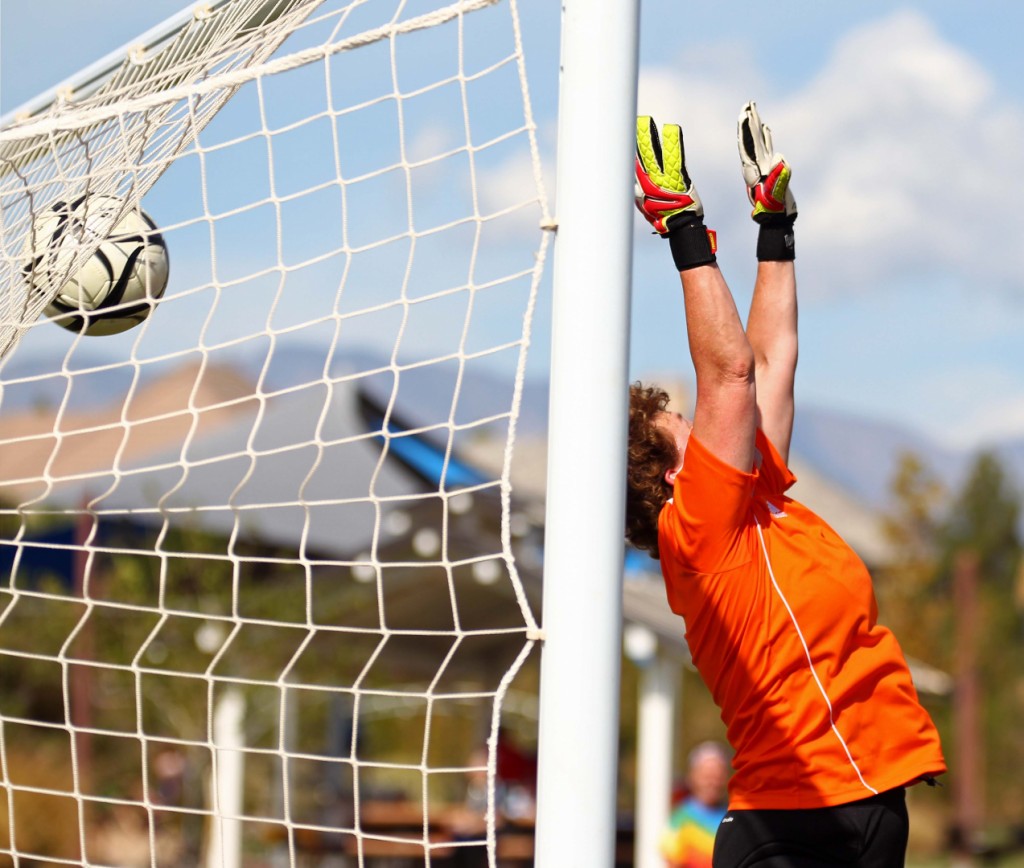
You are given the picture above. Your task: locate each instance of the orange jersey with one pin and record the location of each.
(781, 623)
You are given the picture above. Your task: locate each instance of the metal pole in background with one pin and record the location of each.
(659, 681)
(583, 557)
(227, 781)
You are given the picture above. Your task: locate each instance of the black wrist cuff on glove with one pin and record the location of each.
(775, 241)
(692, 245)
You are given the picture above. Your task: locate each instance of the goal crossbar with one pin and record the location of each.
(146, 50)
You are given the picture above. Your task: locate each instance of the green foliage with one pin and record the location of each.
(983, 519)
(909, 600)
(164, 622)
(929, 530)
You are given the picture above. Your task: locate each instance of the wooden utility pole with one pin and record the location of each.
(968, 786)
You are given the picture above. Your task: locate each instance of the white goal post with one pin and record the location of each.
(272, 562)
(579, 730)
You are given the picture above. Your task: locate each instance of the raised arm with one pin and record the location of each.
(772, 323)
(725, 412)
(771, 329)
(724, 415)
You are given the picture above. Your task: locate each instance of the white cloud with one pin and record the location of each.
(904, 158)
(992, 424)
(431, 140)
(511, 181)
(997, 414)
(706, 110)
(963, 405)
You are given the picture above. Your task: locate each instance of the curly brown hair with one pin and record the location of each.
(651, 453)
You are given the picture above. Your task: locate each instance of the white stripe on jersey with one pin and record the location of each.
(810, 661)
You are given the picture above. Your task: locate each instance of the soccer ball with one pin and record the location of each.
(116, 288)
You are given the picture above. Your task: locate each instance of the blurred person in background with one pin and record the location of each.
(690, 838)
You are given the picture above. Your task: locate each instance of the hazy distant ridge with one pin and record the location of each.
(856, 453)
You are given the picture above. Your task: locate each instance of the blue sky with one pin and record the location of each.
(904, 123)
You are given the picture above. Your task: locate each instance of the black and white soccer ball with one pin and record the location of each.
(118, 286)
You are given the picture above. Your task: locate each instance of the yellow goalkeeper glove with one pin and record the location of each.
(666, 196)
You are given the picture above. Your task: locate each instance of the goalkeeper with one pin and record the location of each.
(780, 614)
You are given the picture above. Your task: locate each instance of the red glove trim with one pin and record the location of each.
(762, 194)
(657, 200)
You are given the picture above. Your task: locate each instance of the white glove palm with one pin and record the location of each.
(765, 172)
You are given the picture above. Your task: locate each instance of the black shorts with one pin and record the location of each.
(870, 833)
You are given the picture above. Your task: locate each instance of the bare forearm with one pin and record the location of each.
(772, 332)
(718, 344)
(772, 324)
(724, 416)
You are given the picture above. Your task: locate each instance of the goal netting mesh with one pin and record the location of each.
(266, 591)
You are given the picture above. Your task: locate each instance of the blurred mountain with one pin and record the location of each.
(91, 380)
(1011, 452)
(422, 390)
(861, 454)
(855, 454)
(845, 461)
(36, 382)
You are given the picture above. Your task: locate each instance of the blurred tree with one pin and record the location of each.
(930, 532)
(910, 599)
(984, 521)
(166, 618)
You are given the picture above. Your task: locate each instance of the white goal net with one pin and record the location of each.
(267, 595)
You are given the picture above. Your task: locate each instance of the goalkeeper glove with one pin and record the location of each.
(666, 197)
(767, 176)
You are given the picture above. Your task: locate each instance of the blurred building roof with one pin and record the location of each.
(300, 470)
(310, 469)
